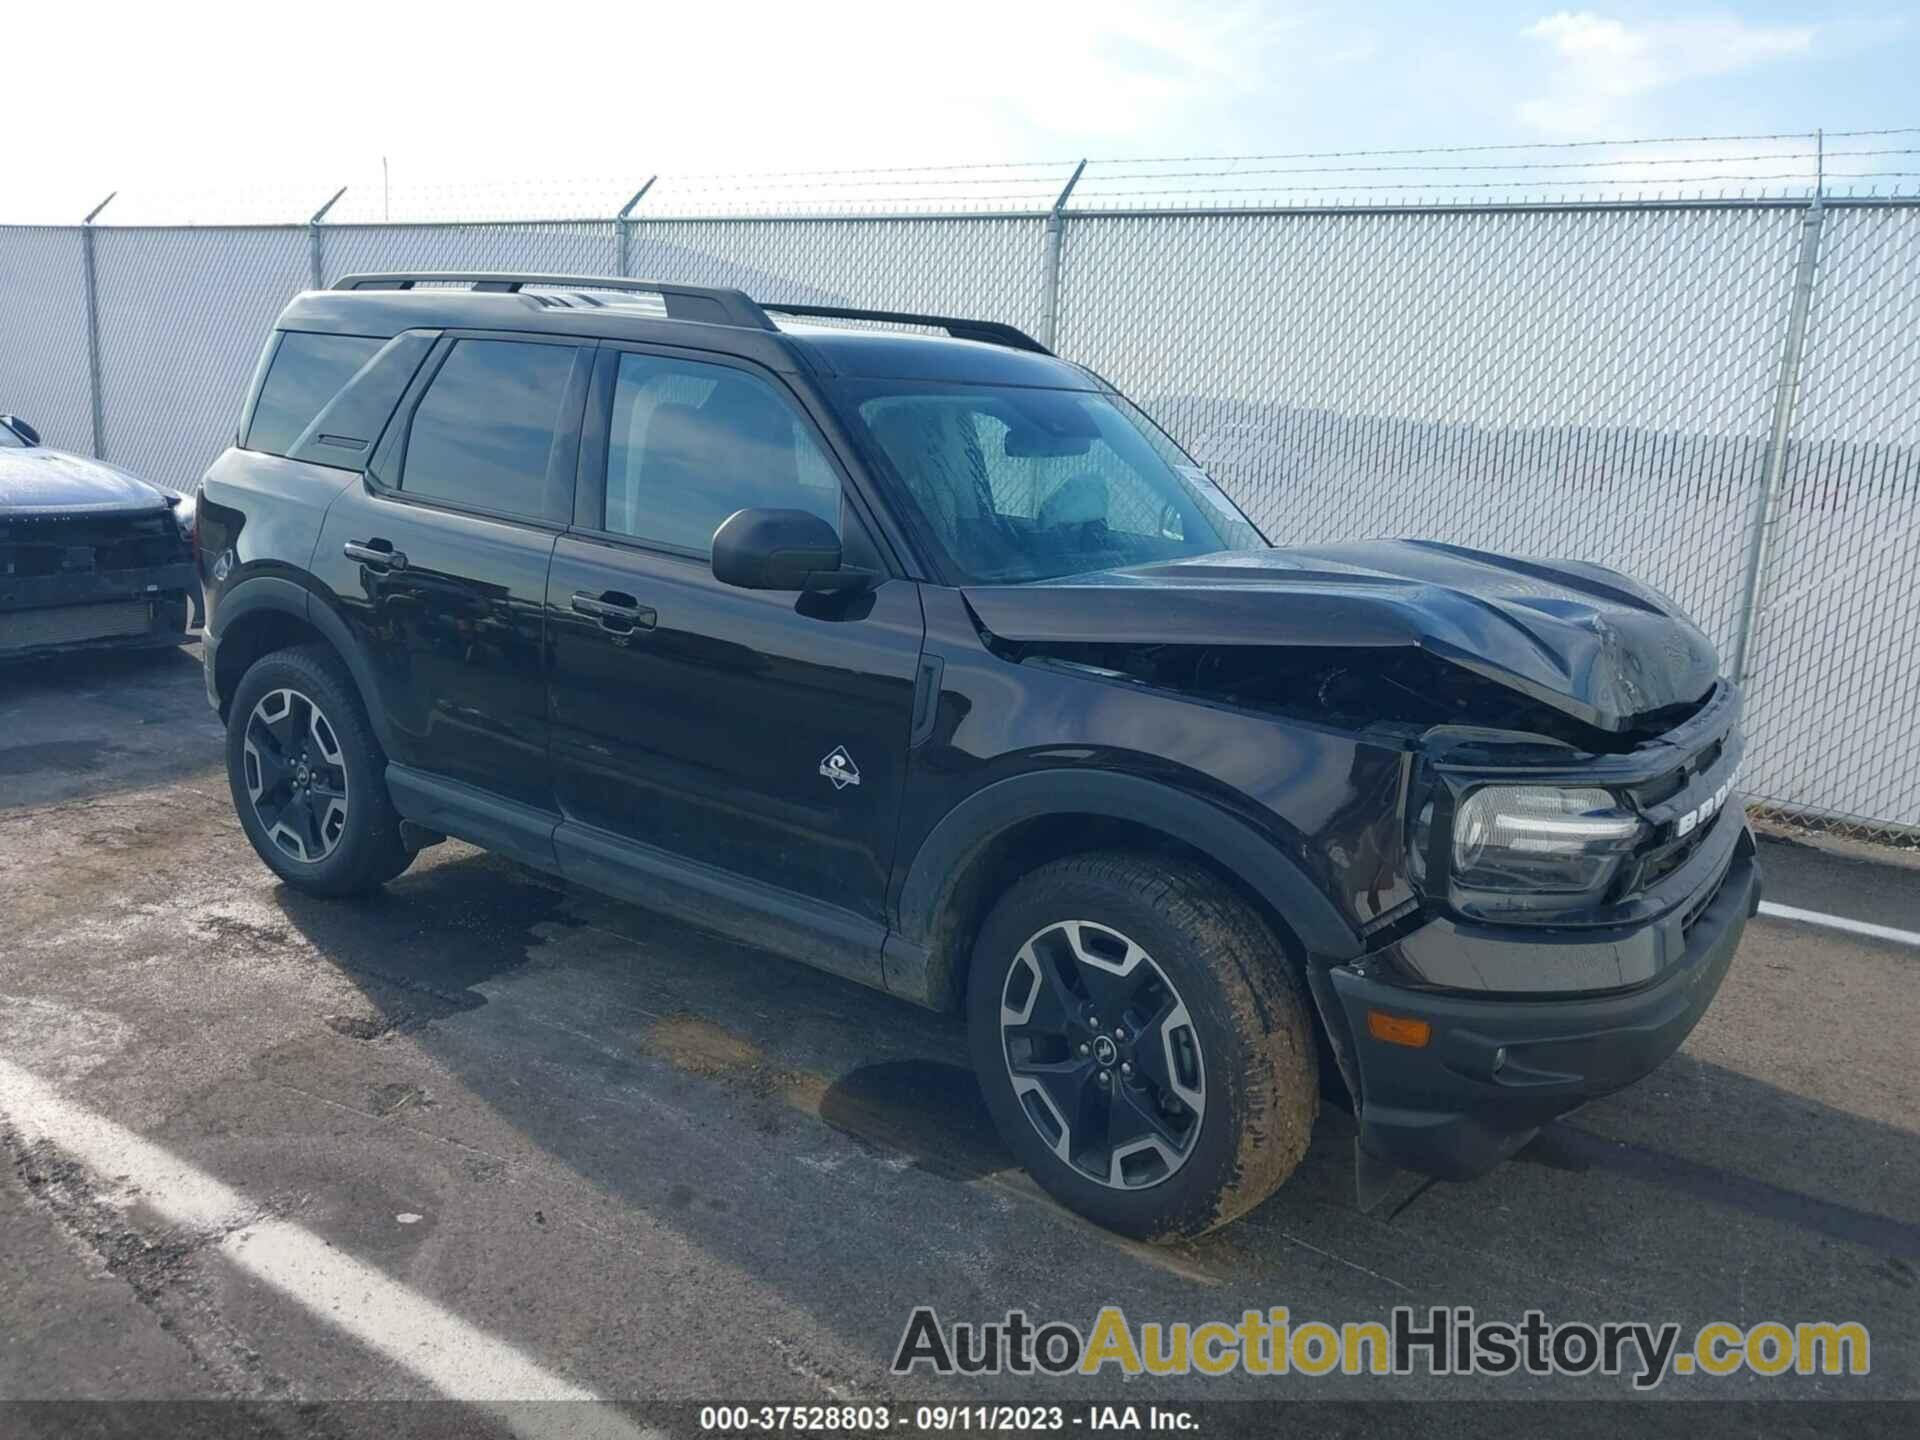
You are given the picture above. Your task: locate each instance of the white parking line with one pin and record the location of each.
(459, 1360)
(1840, 922)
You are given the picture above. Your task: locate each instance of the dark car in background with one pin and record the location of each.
(90, 556)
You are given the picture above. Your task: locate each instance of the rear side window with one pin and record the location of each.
(307, 372)
(483, 433)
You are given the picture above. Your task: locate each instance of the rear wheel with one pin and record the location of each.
(1142, 1042)
(308, 778)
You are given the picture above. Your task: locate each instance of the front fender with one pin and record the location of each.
(920, 963)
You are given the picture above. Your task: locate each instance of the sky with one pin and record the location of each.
(257, 112)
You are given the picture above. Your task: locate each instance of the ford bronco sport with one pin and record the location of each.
(928, 659)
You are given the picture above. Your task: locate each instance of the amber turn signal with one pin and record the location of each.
(1397, 1029)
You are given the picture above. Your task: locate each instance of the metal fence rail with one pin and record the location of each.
(1628, 383)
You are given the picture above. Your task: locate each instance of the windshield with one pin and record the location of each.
(10, 441)
(1013, 484)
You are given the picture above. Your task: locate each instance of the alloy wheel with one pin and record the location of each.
(1103, 1055)
(296, 775)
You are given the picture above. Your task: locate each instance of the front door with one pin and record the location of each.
(759, 733)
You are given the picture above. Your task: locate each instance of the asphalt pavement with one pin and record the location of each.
(293, 1150)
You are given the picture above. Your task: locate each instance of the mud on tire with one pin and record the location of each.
(1207, 1115)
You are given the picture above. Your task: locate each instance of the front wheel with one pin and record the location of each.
(308, 778)
(1143, 1044)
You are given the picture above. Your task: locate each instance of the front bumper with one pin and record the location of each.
(1495, 1070)
(52, 614)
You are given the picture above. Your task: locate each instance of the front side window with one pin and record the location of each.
(307, 372)
(1014, 484)
(483, 433)
(691, 443)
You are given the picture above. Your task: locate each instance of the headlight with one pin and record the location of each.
(184, 507)
(1541, 839)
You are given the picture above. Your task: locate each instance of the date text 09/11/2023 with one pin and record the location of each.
(941, 1419)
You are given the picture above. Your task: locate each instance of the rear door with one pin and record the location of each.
(762, 734)
(438, 559)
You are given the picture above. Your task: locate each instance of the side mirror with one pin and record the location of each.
(766, 549)
(21, 428)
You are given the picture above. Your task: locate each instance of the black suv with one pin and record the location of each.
(928, 659)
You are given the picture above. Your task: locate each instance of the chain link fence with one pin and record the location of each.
(1834, 662)
(1629, 383)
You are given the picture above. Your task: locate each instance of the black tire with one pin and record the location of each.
(1250, 1040)
(365, 849)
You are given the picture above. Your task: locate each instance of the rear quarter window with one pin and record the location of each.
(307, 372)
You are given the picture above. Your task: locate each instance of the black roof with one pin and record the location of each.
(897, 355)
(697, 317)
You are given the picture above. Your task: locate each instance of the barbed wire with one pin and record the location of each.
(1505, 171)
(1303, 154)
(1489, 149)
(1449, 185)
(1513, 165)
(678, 185)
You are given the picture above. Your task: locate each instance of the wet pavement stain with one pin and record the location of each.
(702, 1048)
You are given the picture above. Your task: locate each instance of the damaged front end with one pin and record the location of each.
(1574, 866)
(1512, 812)
(1578, 910)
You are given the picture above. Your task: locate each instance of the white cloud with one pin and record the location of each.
(1603, 68)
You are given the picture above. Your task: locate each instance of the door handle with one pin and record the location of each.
(615, 611)
(375, 554)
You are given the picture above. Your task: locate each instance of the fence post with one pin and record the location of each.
(624, 227)
(316, 258)
(1765, 519)
(93, 327)
(1050, 269)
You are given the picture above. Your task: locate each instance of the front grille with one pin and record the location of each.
(1668, 798)
(1663, 860)
(82, 544)
(72, 624)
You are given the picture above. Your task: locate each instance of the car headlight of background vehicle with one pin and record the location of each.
(1536, 839)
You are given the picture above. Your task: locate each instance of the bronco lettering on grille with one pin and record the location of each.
(1704, 811)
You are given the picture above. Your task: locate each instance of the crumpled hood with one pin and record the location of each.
(1581, 638)
(49, 482)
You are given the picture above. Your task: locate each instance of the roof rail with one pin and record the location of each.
(714, 304)
(992, 332)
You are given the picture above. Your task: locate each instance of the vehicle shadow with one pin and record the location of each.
(782, 1079)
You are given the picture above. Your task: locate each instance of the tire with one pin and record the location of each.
(275, 743)
(1231, 1087)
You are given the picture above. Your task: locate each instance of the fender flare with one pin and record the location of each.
(1228, 841)
(275, 593)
